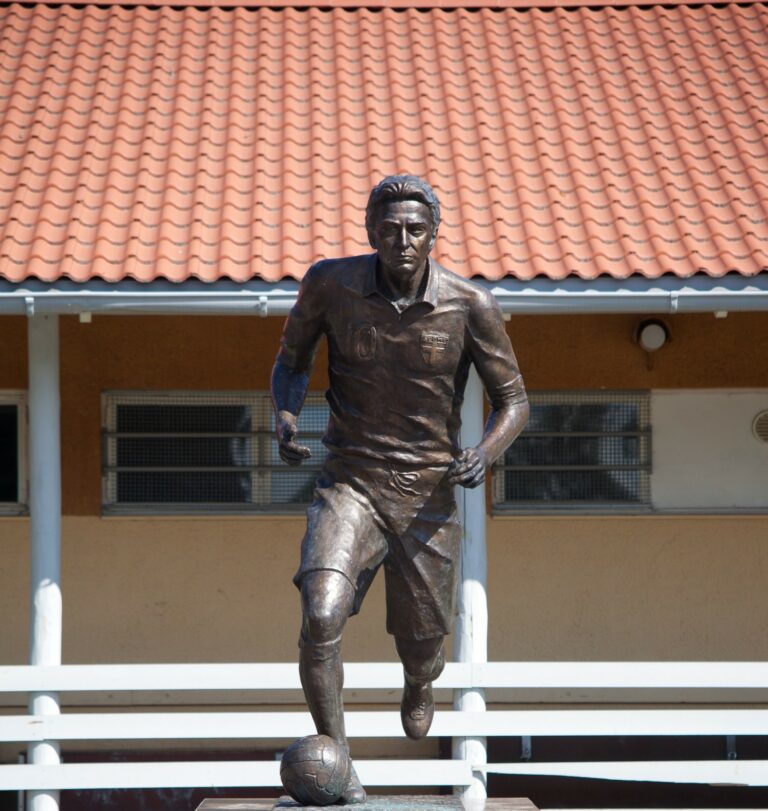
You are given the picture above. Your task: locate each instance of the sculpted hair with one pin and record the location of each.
(401, 187)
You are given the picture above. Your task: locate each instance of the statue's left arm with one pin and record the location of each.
(491, 351)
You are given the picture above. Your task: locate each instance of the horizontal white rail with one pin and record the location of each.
(206, 774)
(389, 675)
(740, 681)
(707, 772)
(373, 773)
(384, 724)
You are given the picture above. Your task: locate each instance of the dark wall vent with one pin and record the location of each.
(760, 426)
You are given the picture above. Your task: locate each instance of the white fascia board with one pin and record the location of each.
(539, 296)
(157, 298)
(636, 295)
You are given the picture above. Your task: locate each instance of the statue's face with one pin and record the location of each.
(403, 236)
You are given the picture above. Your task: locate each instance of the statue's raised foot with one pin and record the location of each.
(417, 709)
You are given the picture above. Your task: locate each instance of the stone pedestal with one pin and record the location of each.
(381, 803)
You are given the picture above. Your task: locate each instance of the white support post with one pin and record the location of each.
(45, 530)
(471, 635)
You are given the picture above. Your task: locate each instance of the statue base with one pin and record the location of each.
(380, 803)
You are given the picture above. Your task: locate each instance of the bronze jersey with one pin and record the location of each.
(397, 378)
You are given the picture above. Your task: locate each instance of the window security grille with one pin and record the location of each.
(13, 473)
(186, 452)
(579, 449)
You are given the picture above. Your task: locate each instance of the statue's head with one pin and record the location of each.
(397, 188)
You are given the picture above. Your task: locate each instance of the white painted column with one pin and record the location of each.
(45, 530)
(471, 634)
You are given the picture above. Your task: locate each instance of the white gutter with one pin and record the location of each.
(700, 294)
(149, 301)
(539, 296)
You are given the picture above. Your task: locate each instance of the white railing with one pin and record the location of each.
(728, 698)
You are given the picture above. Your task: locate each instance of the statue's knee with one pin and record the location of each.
(325, 608)
(322, 623)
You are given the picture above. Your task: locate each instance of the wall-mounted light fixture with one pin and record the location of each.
(652, 334)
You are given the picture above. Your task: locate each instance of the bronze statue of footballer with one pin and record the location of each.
(402, 332)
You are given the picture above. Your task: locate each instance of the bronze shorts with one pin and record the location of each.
(365, 514)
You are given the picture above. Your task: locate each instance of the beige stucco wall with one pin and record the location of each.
(177, 590)
(623, 588)
(172, 590)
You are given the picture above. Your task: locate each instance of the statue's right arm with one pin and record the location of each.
(290, 375)
(289, 388)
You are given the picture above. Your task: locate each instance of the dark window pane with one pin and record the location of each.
(594, 486)
(184, 487)
(601, 450)
(569, 417)
(181, 486)
(581, 448)
(169, 419)
(183, 451)
(152, 464)
(9, 453)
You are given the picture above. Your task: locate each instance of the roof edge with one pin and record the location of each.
(538, 296)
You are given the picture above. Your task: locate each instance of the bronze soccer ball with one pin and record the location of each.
(315, 770)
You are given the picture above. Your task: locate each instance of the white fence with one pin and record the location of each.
(725, 700)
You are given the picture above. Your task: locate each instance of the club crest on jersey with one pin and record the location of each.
(433, 345)
(364, 340)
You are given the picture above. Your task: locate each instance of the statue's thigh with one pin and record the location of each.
(343, 535)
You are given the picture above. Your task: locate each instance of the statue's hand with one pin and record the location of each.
(290, 452)
(469, 468)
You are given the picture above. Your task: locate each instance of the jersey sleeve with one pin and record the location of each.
(305, 324)
(491, 351)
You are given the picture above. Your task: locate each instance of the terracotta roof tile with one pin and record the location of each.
(175, 143)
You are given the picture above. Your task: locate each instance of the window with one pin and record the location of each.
(587, 450)
(187, 452)
(13, 473)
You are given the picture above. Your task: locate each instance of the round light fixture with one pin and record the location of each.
(652, 334)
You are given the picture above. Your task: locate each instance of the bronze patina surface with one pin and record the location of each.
(381, 803)
(402, 333)
(392, 804)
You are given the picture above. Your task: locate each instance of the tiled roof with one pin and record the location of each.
(373, 4)
(187, 143)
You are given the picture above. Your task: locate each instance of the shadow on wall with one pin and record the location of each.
(563, 792)
(159, 799)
